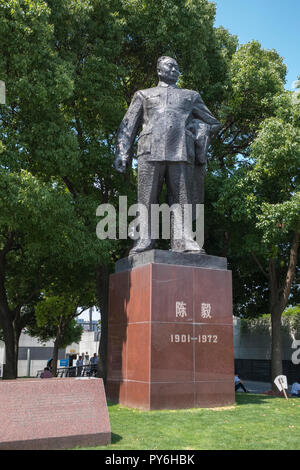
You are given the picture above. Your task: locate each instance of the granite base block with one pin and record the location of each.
(170, 340)
(49, 414)
(170, 257)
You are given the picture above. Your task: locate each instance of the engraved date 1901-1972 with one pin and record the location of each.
(182, 338)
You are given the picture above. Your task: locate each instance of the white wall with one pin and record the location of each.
(2, 356)
(257, 345)
(35, 365)
(27, 341)
(88, 344)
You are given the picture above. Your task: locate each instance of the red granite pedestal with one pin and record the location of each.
(48, 414)
(170, 337)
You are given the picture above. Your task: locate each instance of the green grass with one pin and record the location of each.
(254, 422)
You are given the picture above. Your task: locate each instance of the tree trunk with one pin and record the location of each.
(279, 296)
(57, 343)
(102, 282)
(276, 312)
(12, 327)
(7, 317)
(55, 356)
(276, 362)
(10, 369)
(11, 335)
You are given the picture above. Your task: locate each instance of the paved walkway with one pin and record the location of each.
(257, 387)
(260, 387)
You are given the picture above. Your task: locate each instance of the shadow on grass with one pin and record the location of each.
(115, 438)
(253, 398)
(110, 403)
(241, 399)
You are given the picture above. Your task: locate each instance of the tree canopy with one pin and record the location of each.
(71, 69)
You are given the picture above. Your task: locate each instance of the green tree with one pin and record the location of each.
(263, 198)
(255, 81)
(110, 50)
(71, 332)
(255, 77)
(71, 69)
(296, 94)
(41, 244)
(150, 29)
(55, 319)
(44, 239)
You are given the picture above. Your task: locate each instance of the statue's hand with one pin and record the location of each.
(214, 129)
(120, 164)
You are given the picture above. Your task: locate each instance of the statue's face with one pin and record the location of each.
(168, 70)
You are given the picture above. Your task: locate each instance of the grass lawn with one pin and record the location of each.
(254, 422)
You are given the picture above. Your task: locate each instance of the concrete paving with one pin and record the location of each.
(259, 387)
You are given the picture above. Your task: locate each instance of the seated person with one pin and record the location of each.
(238, 383)
(46, 374)
(296, 389)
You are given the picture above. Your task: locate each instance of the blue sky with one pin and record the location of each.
(274, 23)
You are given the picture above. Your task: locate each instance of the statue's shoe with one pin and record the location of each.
(142, 245)
(187, 246)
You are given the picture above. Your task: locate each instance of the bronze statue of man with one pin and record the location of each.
(176, 128)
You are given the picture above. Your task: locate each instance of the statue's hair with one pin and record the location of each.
(162, 58)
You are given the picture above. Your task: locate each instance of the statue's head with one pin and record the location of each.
(167, 69)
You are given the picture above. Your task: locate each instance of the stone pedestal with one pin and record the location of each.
(48, 414)
(170, 340)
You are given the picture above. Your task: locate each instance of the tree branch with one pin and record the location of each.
(3, 294)
(259, 265)
(7, 247)
(70, 186)
(27, 300)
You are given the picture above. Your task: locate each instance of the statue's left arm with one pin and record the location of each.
(205, 127)
(201, 111)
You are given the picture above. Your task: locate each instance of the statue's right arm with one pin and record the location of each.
(127, 132)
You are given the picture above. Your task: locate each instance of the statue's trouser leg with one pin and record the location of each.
(150, 180)
(179, 178)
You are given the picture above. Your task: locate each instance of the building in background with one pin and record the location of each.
(253, 350)
(33, 354)
(87, 325)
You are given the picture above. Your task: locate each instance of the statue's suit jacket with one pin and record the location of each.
(167, 116)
